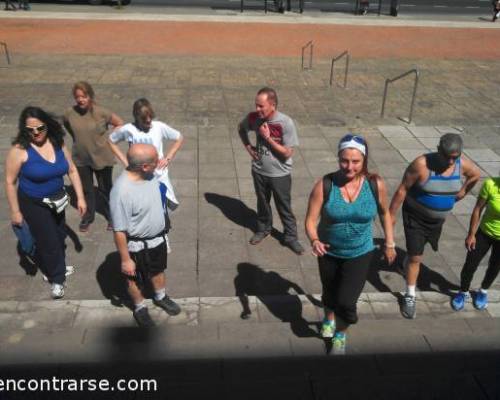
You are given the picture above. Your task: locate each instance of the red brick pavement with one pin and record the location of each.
(32, 36)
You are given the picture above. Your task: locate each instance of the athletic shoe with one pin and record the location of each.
(327, 328)
(409, 306)
(458, 301)
(480, 300)
(69, 270)
(258, 237)
(170, 306)
(167, 242)
(84, 226)
(339, 343)
(143, 318)
(57, 291)
(109, 227)
(295, 246)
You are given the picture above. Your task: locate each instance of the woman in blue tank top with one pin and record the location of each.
(346, 203)
(34, 182)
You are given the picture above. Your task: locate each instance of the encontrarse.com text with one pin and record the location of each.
(77, 385)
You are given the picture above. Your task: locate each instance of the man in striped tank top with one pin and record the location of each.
(430, 187)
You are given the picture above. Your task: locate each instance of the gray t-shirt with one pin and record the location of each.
(283, 132)
(136, 207)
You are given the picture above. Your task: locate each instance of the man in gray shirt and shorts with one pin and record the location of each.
(276, 137)
(139, 228)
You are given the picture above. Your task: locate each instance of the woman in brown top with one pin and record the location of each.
(89, 125)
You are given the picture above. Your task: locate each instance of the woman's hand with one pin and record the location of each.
(319, 249)
(16, 218)
(470, 242)
(164, 162)
(82, 207)
(390, 254)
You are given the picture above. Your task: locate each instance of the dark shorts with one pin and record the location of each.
(419, 231)
(151, 261)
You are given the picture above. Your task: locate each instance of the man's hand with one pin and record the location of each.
(252, 150)
(470, 242)
(264, 131)
(128, 267)
(460, 195)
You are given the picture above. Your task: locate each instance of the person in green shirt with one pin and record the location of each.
(482, 236)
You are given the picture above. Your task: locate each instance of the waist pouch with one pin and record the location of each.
(57, 202)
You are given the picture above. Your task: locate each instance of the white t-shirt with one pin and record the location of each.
(159, 131)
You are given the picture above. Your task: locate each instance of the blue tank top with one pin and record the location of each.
(435, 197)
(40, 178)
(347, 227)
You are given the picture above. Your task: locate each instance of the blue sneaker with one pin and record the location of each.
(458, 301)
(327, 328)
(339, 343)
(480, 300)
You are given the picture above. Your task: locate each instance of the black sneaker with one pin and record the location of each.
(170, 306)
(409, 306)
(258, 237)
(295, 246)
(143, 318)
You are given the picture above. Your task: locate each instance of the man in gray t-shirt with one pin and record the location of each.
(276, 137)
(138, 217)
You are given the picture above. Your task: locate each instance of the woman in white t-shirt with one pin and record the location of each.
(145, 129)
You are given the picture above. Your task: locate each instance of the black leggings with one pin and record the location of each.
(474, 257)
(49, 231)
(343, 280)
(104, 184)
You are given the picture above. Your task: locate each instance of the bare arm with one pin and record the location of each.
(246, 142)
(13, 163)
(115, 120)
(311, 224)
(412, 174)
(386, 222)
(471, 174)
(127, 264)
(76, 182)
(470, 240)
(284, 152)
(118, 153)
(172, 151)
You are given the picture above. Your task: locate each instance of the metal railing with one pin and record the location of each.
(387, 81)
(242, 5)
(347, 58)
(6, 50)
(309, 45)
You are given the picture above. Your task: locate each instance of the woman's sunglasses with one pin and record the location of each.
(36, 129)
(356, 138)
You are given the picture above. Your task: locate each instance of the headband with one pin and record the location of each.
(353, 144)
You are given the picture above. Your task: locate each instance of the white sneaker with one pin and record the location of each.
(69, 270)
(57, 291)
(167, 242)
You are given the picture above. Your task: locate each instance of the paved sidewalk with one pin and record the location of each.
(208, 348)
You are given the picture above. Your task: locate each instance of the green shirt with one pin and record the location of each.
(490, 223)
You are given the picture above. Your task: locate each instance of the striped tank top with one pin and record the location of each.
(435, 197)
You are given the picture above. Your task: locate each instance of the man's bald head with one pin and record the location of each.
(140, 154)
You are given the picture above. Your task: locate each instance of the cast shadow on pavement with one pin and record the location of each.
(428, 280)
(111, 281)
(238, 212)
(273, 291)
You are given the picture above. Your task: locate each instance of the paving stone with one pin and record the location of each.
(392, 131)
(424, 132)
(479, 155)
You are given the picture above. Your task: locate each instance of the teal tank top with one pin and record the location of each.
(347, 227)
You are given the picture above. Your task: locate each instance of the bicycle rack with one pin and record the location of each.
(387, 81)
(6, 50)
(347, 57)
(242, 6)
(309, 45)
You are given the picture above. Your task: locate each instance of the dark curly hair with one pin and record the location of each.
(55, 132)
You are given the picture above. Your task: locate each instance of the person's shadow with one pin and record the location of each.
(238, 212)
(112, 282)
(428, 280)
(273, 291)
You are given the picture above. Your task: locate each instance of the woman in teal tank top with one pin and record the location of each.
(346, 203)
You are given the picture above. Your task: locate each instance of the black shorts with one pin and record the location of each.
(419, 231)
(151, 261)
